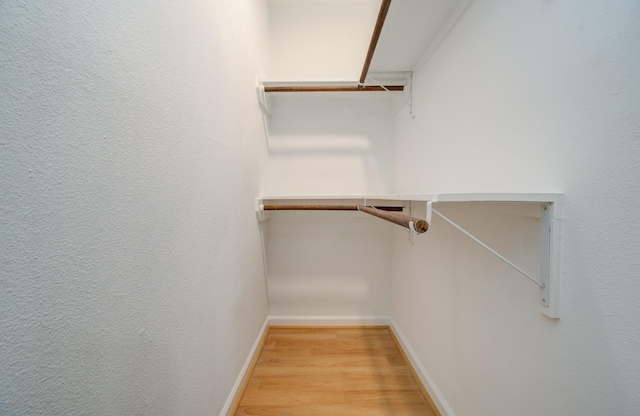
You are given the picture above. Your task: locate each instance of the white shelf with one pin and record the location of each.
(406, 198)
(550, 226)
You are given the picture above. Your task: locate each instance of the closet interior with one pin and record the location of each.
(452, 180)
(331, 148)
(333, 220)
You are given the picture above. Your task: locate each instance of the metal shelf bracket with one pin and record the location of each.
(550, 265)
(408, 75)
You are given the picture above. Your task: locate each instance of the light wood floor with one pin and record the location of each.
(332, 371)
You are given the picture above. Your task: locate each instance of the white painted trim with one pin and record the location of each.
(245, 368)
(425, 378)
(328, 320)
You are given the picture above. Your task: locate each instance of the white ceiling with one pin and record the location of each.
(327, 40)
(409, 29)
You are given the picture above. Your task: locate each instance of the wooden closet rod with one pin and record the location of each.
(323, 208)
(333, 88)
(382, 15)
(420, 226)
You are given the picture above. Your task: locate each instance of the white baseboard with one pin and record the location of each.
(329, 320)
(425, 378)
(245, 368)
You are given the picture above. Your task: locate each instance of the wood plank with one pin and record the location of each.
(334, 410)
(324, 361)
(269, 398)
(365, 343)
(371, 352)
(347, 382)
(304, 336)
(332, 371)
(394, 397)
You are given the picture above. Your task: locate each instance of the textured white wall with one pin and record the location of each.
(528, 96)
(130, 154)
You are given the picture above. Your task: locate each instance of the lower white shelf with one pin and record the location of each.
(550, 226)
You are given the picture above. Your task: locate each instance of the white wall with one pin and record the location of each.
(130, 155)
(329, 264)
(527, 96)
(319, 40)
(330, 144)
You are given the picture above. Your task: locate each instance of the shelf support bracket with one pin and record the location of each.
(409, 78)
(549, 281)
(263, 100)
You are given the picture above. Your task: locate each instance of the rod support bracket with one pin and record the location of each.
(550, 260)
(261, 214)
(550, 250)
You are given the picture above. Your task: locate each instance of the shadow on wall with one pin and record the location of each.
(328, 264)
(336, 144)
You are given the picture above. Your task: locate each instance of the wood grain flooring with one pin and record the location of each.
(332, 371)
